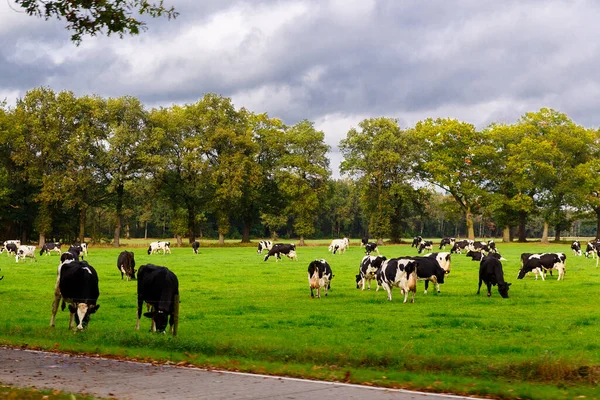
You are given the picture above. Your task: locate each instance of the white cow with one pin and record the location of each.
(339, 245)
(155, 247)
(25, 251)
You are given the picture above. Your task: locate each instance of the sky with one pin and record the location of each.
(333, 62)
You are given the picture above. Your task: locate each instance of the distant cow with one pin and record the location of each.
(576, 247)
(430, 270)
(478, 256)
(339, 245)
(25, 252)
(490, 272)
(126, 264)
(84, 248)
(195, 246)
(368, 271)
(76, 250)
(264, 245)
(591, 249)
(481, 247)
(460, 246)
(48, 247)
(280, 248)
(447, 241)
(155, 247)
(319, 276)
(159, 288)
(539, 263)
(492, 245)
(399, 272)
(76, 284)
(425, 245)
(10, 248)
(371, 247)
(416, 241)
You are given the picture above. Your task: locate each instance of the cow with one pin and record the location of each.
(76, 250)
(48, 247)
(368, 271)
(126, 264)
(416, 241)
(425, 245)
(443, 259)
(460, 246)
(371, 247)
(319, 276)
(430, 270)
(155, 247)
(478, 256)
(447, 241)
(539, 263)
(10, 248)
(576, 247)
(281, 248)
(25, 252)
(591, 249)
(490, 272)
(339, 245)
(492, 246)
(84, 248)
(68, 256)
(159, 288)
(264, 245)
(195, 246)
(399, 272)
(481, 247)
(76, 284)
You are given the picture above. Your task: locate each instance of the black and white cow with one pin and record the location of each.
(368, 271)
(195, 246)
(430, 270)
(481, 247)
(126, 264)
(371, 247)
(319, 276)
(460, 246)
(478, 256)
(576, 247)
(540, 263)
(76, 284)
(282, 248)
(416, 242)
(490, 272)
(591, 248)
(159, 288)
(155, 247)
(25, 252)
(339, 245)
(447, 241)
(264, 245)
(425, 245)
(444, 259)
(399, 272)
(48, 247)
(10, 248)
(76, 250)
(492, 245)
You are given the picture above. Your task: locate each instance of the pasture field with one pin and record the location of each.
(240, 313)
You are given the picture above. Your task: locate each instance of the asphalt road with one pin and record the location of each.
(132, 380)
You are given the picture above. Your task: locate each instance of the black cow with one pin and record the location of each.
(539, 263)
(264, 245)
(399, 272)
(159, 288)
(425, 245)
(576, 247)
(371, 247)
(475, 255)
(48, 247)
(319, 276)
(196, 246)
(430, 270)
(126, 264)
(281, 248)
(447, 241)
(77, 284)
(416, 241)
(368, 271)
(490, 272)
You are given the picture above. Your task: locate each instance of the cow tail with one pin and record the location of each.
(175, 314)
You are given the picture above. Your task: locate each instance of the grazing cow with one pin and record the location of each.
(10, 248)
(492, 245)
(339, 245)
(481, 247)
(371, 247)
(25, 251)
(76, 284)
(429, 270)
(425, 245)
(281, 248)
(159, 288)
(576, 247)
(477, 256)
(443, 258)
(264, 245)
(76, 250)
(460, 246)
(416, 242)
(195, 246)
(126, 264)
(368, 271)
(490, 272)
(399, 272)
(591, 249)
(447, 241)
(48, 247)
(155, 247)
(319, 276)
(539, 263)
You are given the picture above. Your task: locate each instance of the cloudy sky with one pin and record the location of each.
(334, 62)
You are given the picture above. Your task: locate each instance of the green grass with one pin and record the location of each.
(10, 393)
(241, 313)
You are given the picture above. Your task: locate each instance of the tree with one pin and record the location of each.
(90, 17)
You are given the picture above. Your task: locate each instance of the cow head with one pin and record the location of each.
(149, 250)
(503, 289)
(82, 313)
(160, 319)
(358, 281)
(522, 273)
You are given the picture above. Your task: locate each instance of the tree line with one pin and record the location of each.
(108, 168)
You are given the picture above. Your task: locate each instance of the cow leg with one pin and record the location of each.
(57, 297)
(71, 315)
(426, 286)
(363, 282)
(435, 283)
(81, 311)
(139, 314)
(479, 287)
(388, 289)
(413, 296)
(311, 293)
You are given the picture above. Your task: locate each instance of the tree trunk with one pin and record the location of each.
(597, 222)
(545, 233)
(522, 222)
(127, 232)
(557, 233)
(246, 233)
(379, 241)
(119, 209)
(146, 230)
(470, 227)
(179, 240)
(42, 240)
(506, 234)
(221, 238)
(191, 224)
(301, 240)
(82, 213)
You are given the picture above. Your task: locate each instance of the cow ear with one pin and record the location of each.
(95, 308)
(149, 314)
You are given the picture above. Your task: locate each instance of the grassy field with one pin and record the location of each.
(240, 313)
